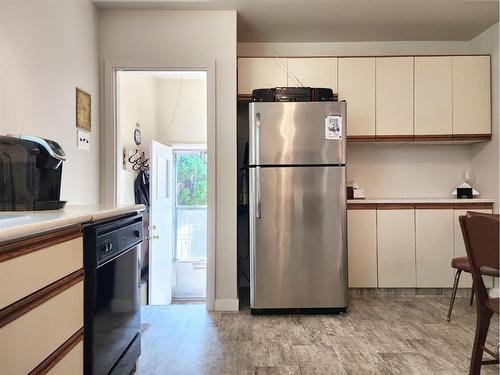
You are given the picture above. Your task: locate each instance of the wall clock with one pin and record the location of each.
(137, 134)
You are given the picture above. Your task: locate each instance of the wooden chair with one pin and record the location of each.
(481, 236)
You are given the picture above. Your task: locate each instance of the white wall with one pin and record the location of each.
(47, 49)
(407, 171)
(137, 97)
(412, 171)
(188, 38)
(188, 122)
(485, 163)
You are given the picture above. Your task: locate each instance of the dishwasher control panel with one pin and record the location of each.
(117, 240)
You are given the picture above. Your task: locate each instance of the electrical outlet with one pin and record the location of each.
(83, 141)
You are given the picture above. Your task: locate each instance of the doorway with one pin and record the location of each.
(190, 223)
(170, 110)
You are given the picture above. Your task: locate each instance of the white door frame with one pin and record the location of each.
(111, 154)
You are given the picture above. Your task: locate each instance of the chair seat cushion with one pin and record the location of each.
(493, 304)
(488, 271)
(462, 263)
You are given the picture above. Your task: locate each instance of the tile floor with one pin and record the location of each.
(382, 335)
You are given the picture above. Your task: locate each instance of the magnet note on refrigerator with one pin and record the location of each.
(333, 127)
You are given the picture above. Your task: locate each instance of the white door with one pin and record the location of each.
(160, 225)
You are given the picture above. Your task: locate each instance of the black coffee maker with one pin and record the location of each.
(30, 173)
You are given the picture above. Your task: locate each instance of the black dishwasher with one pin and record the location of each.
(112, 342)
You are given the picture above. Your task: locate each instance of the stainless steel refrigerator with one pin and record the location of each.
(297, 186)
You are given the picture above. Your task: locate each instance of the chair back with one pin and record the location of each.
(481, 236)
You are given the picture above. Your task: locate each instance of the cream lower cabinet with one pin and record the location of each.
(362, 243)
(28, 340)
(434, 247)
(72, 363)
(396, 248)
(41, 304)
(459, 247)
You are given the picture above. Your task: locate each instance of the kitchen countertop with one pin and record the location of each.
(18, 224)
(421, 200)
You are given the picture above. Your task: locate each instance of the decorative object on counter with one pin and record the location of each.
(464, 193)
(83, 110)
(350, 192)
(465, 190)
(357, 193)
(137, 134)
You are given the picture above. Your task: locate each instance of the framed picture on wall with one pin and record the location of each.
(83, 110)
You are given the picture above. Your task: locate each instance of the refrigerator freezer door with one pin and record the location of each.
(297, 238)
(297, 133)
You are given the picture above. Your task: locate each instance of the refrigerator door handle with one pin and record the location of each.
(257, 192)
(257, 138)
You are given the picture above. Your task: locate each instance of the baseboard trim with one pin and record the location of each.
(406, 292)
(227, 305)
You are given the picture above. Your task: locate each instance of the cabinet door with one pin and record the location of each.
(459, 247)
(434, 248)
(313, 72)
(396, 248)
(71, 363)
(362, 248)
(433, 95)
(394, 96)
(256, 73)
(357, 87)
(28, 340)
(471, 95)
(23, 275)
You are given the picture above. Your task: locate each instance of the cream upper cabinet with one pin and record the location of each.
(471, 95)
(459, 247)
(396, 248)
(356, 81)
(362, 252)
(313, 72)
(255, 73)
(433, 95)
(394, 96)
(434, 247)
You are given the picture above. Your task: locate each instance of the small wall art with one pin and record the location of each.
(83, 110)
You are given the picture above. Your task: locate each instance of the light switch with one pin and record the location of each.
(83, 141)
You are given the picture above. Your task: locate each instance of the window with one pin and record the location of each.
(190, 218)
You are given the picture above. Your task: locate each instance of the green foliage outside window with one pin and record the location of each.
(191, 180)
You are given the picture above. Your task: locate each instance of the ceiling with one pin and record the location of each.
(341, 20)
